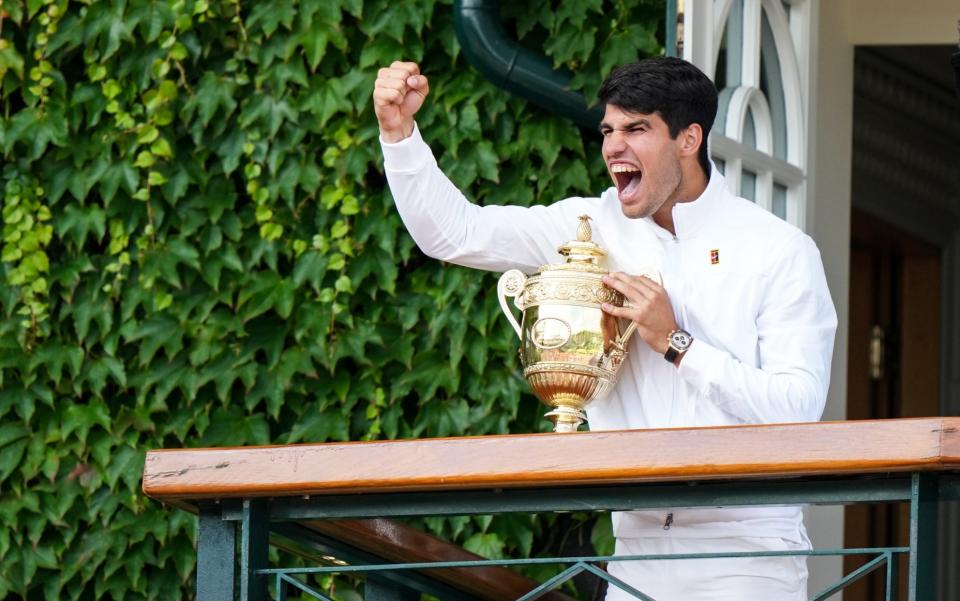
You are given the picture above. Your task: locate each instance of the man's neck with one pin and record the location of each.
(692, 185)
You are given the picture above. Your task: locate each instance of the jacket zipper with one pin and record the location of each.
(673, 260)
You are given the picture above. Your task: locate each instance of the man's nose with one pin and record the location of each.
(614, 144)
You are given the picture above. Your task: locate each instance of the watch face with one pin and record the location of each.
(680, 340)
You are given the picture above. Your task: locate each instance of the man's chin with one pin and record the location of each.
(635, 210)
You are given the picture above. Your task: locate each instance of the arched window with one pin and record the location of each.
(751, 48)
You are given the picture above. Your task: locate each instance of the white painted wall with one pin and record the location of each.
(874, 22)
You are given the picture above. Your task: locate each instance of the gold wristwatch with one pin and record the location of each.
(678, 341)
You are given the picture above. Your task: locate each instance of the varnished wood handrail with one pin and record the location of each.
(550, 460)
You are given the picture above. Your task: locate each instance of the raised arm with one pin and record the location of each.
(444, 224)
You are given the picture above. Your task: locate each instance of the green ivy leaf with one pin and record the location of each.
(117, 175)
(155, 178)
(125, 463)
(267, 291)
(12, 432)
(601, 535)
(213, 93)
(99, 370)
(10, 60)
(10, 456)
(487, 545)
(81, 418)
(310, 267)
(269, 16)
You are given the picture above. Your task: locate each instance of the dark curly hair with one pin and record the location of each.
(671, 87)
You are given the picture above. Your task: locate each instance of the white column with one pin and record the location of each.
(828, 221)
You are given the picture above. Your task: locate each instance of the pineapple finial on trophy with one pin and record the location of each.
(584, 231)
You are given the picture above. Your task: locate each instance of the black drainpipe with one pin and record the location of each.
(514, 68)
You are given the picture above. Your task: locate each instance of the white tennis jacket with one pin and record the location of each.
(747, 285)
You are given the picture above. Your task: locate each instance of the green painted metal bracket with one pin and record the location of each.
(612, 498)
(923, 537)
(254, 546)
(216, 541)
(893, 579)
(854, 576)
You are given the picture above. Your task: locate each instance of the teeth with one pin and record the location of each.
(623, 169)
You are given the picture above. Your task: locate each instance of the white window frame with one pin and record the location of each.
(705, 22)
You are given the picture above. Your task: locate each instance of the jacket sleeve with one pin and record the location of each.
(446, 226)
(796, 325)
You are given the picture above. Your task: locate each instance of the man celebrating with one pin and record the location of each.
(740, 332)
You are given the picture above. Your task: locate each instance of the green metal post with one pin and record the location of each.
(254, 541)
(893, 577)
(216, 555)
(379, 589)
(923, 537)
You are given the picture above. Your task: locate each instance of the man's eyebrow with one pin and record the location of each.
(628, 125)
(638, 122)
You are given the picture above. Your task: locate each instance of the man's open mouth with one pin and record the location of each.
(627, 178)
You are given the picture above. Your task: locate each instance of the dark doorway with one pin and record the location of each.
(905, 268)
(894, 363)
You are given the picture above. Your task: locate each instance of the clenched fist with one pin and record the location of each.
(398, 94)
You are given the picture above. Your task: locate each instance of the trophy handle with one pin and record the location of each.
(510, 284)
(625, 337)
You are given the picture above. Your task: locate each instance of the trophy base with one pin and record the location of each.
(566, 418)
(568, 388)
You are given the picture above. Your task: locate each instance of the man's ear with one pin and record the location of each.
(690, 140)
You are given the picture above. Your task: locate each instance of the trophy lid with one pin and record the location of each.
(582, 254)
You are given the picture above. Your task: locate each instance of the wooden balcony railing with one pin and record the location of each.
(331, 499)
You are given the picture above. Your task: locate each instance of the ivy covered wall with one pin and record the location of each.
(199, 249)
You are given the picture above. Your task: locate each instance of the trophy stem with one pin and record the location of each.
(566, 418)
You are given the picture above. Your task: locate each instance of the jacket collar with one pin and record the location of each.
(689, 218)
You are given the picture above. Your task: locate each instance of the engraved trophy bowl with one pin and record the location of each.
(570, 349)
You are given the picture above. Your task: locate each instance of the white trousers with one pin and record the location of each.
(724, 579)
